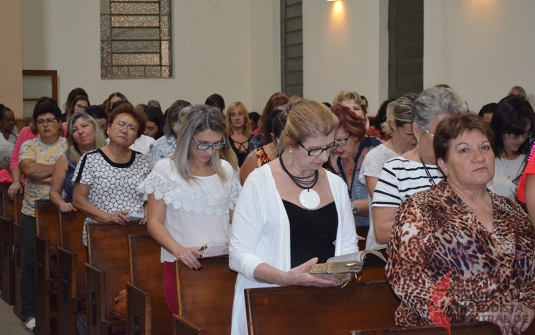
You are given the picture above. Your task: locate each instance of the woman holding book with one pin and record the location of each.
(292, 213)
(191, 195)
(459, 251)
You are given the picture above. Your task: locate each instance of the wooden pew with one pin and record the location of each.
(147, 309)
(17, 254)
(2, 186)
(205, 298)
(71, 272)
(313, 310)
(107, 273)
(8, 258)
(47, 225)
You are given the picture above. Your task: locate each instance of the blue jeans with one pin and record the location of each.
(27, 278)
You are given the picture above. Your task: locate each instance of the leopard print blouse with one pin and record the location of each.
(436, 237)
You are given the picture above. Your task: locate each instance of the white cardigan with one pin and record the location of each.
(261, 234)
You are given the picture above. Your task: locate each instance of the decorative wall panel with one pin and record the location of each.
(135, 39)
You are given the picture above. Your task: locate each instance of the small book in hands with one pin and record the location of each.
(350, 263)
(213, 250)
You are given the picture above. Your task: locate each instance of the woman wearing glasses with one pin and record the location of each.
(512, 124)
(36, 162)
(416, 170)
(106, 180)
(191, 195)
(353, 146)
(292, 213)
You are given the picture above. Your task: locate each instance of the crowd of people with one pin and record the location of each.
(444, 193)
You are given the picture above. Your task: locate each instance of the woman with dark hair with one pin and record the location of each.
(458, 252)
(167, 143)
(155, 122)
(68, 107)
(98, 113)
(375, 130)
(106, 180)
(26, 133)
(115, 96)
(79, 104)
(8, 138)
(488, 111)
(353, 146)
(254, 118)
(37, 159)
(217, 101)
(512, 124)
(277, 101)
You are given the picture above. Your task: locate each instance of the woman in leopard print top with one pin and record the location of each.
(459, 252)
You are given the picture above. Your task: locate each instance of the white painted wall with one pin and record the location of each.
(230, 49)
(345, 45)
(480, 47)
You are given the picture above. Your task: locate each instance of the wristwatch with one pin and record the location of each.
(353, 207)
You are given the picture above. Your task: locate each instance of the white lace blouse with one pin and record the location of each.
(197, 212)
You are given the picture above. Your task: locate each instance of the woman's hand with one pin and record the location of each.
(187, 256)
(67, 207)
(143, 221)
(512, 318)
(119, 218)
(300, 276)
(14, 188)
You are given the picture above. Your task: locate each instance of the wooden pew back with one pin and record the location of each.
(47, 222)
(146, 274)
(313, 310)
(108, 252)
(205, 297)
(71, 226)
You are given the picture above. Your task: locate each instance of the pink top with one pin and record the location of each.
(24, 135)
(256, 131)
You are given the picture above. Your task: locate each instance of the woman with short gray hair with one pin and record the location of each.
(416, 170)
(191, 195)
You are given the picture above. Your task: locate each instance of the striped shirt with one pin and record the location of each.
(401, 178)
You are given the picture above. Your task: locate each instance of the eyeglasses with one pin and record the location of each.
(427, 131)
(48, 121)
(517, 136)
(83, 108)
(206, 146)
(122, 125)
(343, 141)
(316, 152)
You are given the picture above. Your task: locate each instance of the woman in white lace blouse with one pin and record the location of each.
(191, 195)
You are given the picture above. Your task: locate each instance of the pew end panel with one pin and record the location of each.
(43, 287)
(205, 297)
(146, 274)
(67, 307)
(17, 269)
(184, 327)
(328, 310)
(139, 316)
(47, 222)
(96, 299)
(17, 205)
(8, 267)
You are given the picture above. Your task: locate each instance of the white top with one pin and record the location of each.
(142, 144)
(113, 185)
(261, 234)
(505, 173)
(6, 147)
(372, 167)
(401, 178)
(196, 212)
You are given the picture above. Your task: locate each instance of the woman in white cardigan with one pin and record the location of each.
(291, 213)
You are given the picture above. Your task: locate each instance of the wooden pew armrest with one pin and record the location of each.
(185, 327)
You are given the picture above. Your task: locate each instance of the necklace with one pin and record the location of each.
(309, 198)
(431, 180)
(396, 149)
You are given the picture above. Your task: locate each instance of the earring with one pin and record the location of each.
(445, 173)
(418, 140)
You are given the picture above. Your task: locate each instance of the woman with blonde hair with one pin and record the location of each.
(83, 135)
(238, 130)
(191, 195)
(291, 213)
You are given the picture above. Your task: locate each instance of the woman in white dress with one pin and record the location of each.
(8, 138)
(512, 125)
(191, 195)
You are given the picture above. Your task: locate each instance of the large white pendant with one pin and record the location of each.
(310, 199)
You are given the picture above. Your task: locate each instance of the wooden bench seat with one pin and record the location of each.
(313, 310)
(205, 298)
(107, 273)
(47, 229)
(72, 257)
(147, 309)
